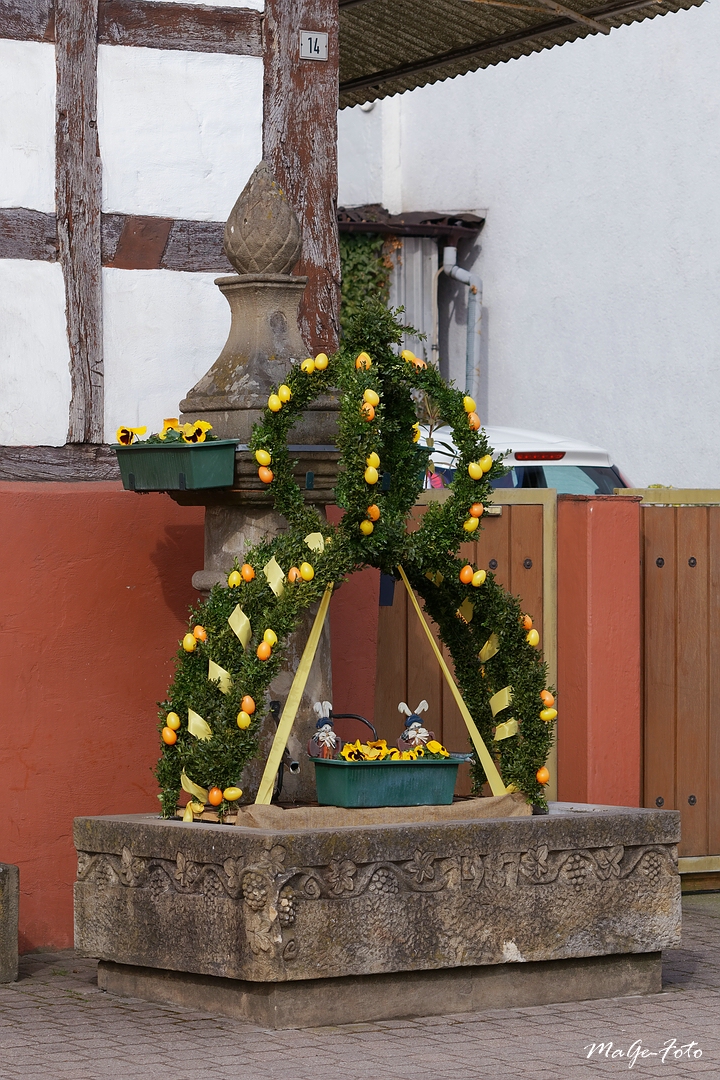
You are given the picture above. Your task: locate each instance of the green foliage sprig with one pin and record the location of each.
(429, 556)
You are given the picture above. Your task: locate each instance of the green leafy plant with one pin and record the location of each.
(365, 274)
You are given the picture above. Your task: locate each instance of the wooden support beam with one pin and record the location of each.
(78, 199)
(66, 464)
(27, 234)
(300, 145)
(145, 23)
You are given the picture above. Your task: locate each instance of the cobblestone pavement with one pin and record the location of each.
(56, 1025)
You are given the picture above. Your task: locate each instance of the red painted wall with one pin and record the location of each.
(599, 650)
(94, 592)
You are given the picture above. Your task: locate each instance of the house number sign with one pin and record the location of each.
(313, 45)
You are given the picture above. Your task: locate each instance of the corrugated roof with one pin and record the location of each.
(388, 46)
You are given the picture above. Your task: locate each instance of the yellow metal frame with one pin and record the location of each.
(547, 498)
(699, 864)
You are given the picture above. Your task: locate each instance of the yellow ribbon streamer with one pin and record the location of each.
(240, 625)
(436, 577)
(220, 676)
(186, 784)
(275, 576)
(316, 542)
(496, 785)
(465, 611)
(292, 704)
(491, 646)
(198, 727)
(501, 700)
(504, 731)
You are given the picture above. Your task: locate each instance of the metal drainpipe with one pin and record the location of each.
(474, 283)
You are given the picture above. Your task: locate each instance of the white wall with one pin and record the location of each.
(163, 330)
(180, 132)
(599, 162)
(27, 125)
(34, 354)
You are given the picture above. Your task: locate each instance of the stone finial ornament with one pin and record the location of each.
(262, 234)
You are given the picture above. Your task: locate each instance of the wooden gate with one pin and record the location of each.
(518, 543)
(681, 575)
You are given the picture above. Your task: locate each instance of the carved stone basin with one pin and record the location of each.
(364, 921)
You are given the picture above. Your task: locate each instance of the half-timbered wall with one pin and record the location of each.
(128, 129)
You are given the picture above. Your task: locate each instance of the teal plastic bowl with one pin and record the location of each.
(355, 784)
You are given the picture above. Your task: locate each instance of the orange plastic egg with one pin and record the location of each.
(476, 510)
(263, 651)
(293, 574)
(265, 474)
(247, 572)
(547, 699)
(215, 796)
(363, 362)
(200, 633)
(169, 737)
(466, 574)
(367, 411)
(373, 512)
(248, 705)
(474, 421)
(527, 624)
(542, 775)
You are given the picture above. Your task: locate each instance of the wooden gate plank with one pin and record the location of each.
(660, 661)
(391, 670)
(692, 677)
(424, 677)
(714, 681)
(526, 543)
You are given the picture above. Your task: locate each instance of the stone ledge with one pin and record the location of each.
(346, 1000)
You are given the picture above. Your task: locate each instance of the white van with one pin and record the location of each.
(534, 459)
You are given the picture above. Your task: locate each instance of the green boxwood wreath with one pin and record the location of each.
(428, 556)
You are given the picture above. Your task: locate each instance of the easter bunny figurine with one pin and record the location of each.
(324, 743)
(415, 734)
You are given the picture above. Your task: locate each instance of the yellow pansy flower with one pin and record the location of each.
(196, 432)
(169, 425)
(127, 435)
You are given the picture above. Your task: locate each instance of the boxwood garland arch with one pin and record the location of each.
(429, 556)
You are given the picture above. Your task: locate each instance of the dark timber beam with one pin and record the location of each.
(78, 200)
(145, 23)
(300, 145)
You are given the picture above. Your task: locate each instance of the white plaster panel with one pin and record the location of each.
(599, 163)
(180, 132)
(27, 125)
(163, 330)
(360, 162)
(34, 354)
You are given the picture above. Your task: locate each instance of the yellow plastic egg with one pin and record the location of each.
(486, 463)
(263, 457)
(469, 404)
(243, 720)
(548, 714)
(371, 475)
(321, 361)
(366, 527)
(234, 578)
(471, 524)
(173, 721)
(372, 460)
(274, 403)
(284, 392)
(306, 571)
(232, 793)
(475, 470)
(478, 578)
(371, 397)
(189, 643)
(407, 355)
(416, 432)
(270, 637)
(308, 366)
(532, 637)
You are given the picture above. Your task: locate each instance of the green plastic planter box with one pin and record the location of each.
(354, 784)
(177, 467)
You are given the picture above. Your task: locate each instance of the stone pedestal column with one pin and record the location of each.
(262, 241)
